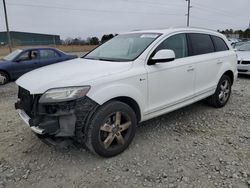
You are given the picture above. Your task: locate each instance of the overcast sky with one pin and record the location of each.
(84, 18)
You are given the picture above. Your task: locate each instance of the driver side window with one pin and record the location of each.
(25, 56)
(177, 43)
(28, 55)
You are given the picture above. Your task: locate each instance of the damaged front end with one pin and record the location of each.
(55, 119)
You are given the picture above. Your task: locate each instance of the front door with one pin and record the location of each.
(171, 83)
(27, 61)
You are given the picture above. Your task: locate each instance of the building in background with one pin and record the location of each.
(24, 38)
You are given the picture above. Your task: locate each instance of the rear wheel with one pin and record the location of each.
(4, 78)
(222, 93)
(111, 129)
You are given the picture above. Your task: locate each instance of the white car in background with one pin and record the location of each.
(99, 99)
(243, 53)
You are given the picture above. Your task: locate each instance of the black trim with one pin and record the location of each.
(189, 45)
(154, 61)
(213, 42)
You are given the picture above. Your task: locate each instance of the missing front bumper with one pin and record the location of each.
(65, 119)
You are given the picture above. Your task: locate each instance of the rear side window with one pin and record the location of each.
(219, 44)
(200, 43)
(45, 54)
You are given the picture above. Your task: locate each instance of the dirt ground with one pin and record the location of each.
(197, 146)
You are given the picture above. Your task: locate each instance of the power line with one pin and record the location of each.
(90, 10)
(213, 9)
(196, 6)
(156, 3)
(211, 20)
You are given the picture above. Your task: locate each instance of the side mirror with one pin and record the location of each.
(17, 60)
(162, 56)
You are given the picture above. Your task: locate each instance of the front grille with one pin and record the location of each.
(245, 62)
(26, 101)
(241, 70)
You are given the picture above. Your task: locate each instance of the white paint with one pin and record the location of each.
(157, 89)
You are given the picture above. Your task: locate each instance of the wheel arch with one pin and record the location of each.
(230, 74)
(126, 93)
(132, 103)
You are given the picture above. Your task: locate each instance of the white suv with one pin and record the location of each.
(99, 99)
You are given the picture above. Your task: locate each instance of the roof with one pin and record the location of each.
(37, 48)
(178, 29)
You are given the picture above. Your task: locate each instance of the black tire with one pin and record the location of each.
(4, 78)
(216, 100)
(104, 127)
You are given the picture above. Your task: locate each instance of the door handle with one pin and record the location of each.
(190, 69)
(219, 62)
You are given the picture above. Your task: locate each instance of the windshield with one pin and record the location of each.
(244, 47)
(12, 55)
(125, 47)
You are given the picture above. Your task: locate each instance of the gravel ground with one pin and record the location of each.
(197, 146)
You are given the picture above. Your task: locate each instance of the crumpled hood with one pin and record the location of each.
(243, 55)
(76, 72)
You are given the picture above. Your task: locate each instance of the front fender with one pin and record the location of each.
(103, 94)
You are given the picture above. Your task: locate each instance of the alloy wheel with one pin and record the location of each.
(114, 133)
(3, 79)
(224, 91)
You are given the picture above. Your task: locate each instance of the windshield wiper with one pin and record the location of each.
(106, 59)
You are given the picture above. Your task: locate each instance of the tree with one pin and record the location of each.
(93, 40)
(68, 40)
(105, 38)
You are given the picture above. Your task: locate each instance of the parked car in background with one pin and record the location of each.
(22, 61)
(243, 53)
(237, 44)
(233, 40)
(99, 99)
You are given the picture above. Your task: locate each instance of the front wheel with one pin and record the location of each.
(3, 78)
(111, 129)
(222, 93)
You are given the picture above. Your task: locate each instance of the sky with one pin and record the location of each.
(86, 18)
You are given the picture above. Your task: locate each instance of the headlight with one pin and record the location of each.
(64, 94)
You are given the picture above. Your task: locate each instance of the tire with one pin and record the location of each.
(222, 93)
(4, 78)
(111, 129)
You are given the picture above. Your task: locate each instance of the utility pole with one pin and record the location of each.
(188, 14)
(7, 26)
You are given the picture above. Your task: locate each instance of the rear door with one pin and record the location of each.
(207, 62)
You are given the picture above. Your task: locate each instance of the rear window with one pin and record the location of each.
(200, 43)
(219, 44)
